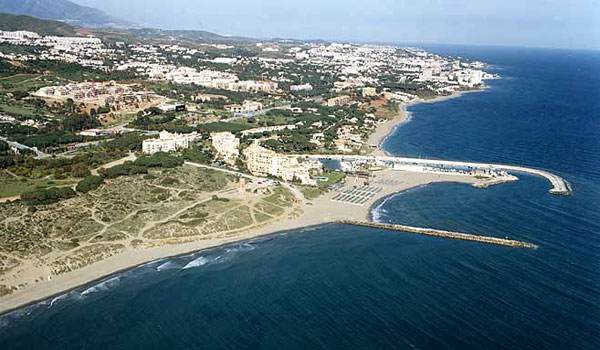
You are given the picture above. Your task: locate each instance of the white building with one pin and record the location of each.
(225, 60)
(19, 35)
(251, 106)
(226, 145)
(246, 107)
(303, 87)
(168, 142)
(261, 161)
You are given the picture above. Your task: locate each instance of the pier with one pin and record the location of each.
(441, 233)
(559, 185)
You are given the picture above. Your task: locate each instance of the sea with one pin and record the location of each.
(345, 287)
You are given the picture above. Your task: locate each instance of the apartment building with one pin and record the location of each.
(261, 161)
(226, 145)
(168, 142)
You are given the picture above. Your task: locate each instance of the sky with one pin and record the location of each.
(571, 24)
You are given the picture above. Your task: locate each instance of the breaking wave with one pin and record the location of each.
(201, 261)
(169, 265)
(227, 254)
(102, 286)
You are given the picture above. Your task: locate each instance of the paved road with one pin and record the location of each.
(129, 158)
(39, 154)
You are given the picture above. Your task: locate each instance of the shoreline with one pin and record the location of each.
(317, 212)
(91, 283)
(320, 211)
(387, 128)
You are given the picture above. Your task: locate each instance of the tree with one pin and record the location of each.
(78, 122)
(80, 170)
(89, 183)
(47, 196)
(70, 105)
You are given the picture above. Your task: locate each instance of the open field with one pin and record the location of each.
(173, 206)
(12, 185)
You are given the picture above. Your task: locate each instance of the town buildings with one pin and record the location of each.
(338, 101)
(303, 87)
(99, 93)
(261, 161)
(168, 142)
(246, 107)
(226, 145)
(369, 92)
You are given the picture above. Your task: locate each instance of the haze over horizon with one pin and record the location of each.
(537, 23)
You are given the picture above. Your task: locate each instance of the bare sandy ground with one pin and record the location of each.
(319, 211)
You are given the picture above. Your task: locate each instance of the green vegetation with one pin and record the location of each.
(223, 126)
(130, 141)
(12, 186)
(198, 154)
(333, 177)
(123, 170)
(89, 183)
(159, 160)
(43, 27)
(47, 196)
(78, 122)
(142, 164)
(4, 148)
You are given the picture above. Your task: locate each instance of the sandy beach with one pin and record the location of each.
(315, 212)
(386, 128)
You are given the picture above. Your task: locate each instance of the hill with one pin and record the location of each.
(190, 36)
(10, 22)
(64, 11)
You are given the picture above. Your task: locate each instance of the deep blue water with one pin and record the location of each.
(342, 287)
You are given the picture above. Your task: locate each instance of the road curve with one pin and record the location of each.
(559, 185)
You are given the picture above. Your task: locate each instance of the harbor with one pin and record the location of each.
(559, 185)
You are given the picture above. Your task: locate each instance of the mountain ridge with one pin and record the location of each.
(63, 11)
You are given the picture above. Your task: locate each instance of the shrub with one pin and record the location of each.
(47, 196)
(124, 169)
(159, 160)
(169, 181)
(89, 183)
(80, 170)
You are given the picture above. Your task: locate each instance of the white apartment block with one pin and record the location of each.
(252, 106)
(246, 107)
(338, 101)
(19, 35)
(369, 92)
(264, 162)
(226, 145)
(303, 87)
(168, 142)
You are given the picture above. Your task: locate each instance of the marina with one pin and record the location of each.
(559, 185)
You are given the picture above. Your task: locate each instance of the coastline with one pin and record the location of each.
(387, 128)
(314, 213)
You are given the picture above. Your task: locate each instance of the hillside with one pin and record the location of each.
(10, 22)
(64, 11)
(191, 36)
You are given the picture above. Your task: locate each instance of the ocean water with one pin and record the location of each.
(343, 287)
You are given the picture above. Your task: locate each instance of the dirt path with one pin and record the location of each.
(130, 158)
